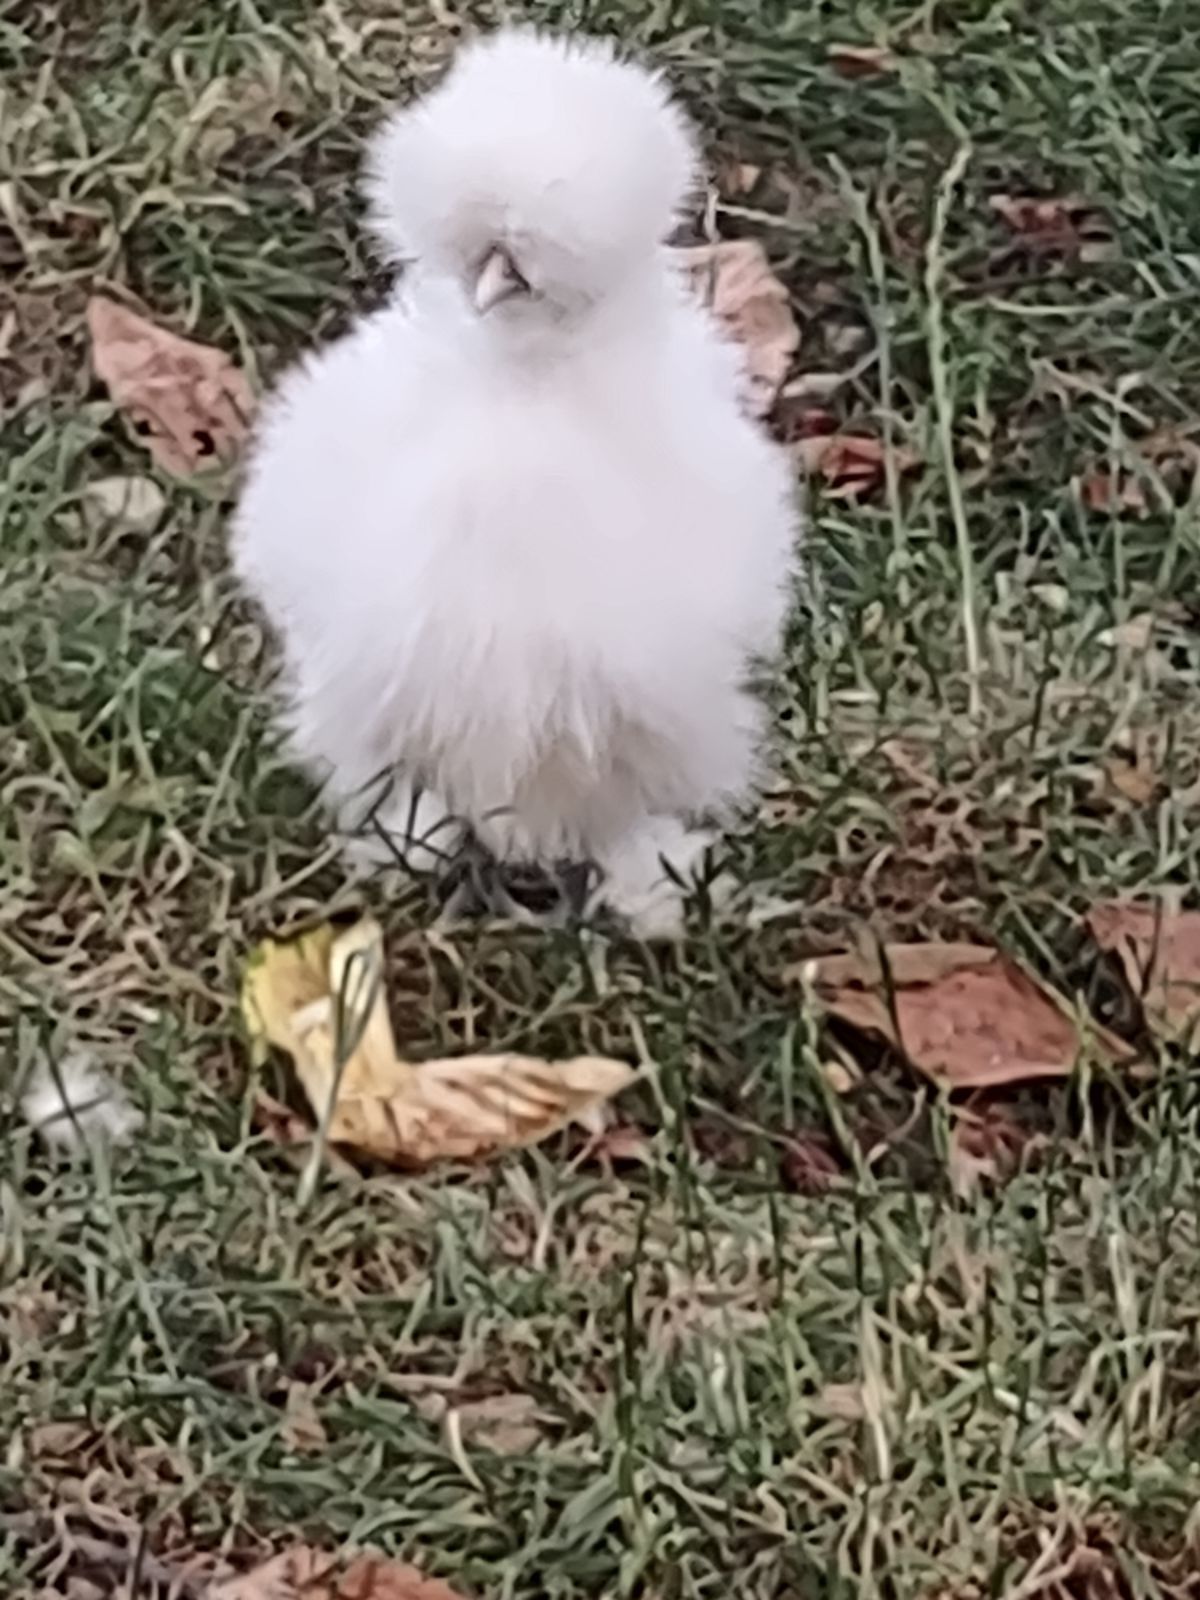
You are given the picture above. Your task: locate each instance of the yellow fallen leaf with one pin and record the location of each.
(320, 997)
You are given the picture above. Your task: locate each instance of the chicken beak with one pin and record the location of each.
(498, 280)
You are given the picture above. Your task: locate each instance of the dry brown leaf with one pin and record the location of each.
(1104, 491)
(850, 466)
(986, 1147)
(59, 1440)
(187, 402)
(1064, 226)
(302, 1432)
(320, 997)
(734, 279)
(803, 420)
(622, 1144)
(1174, 451)
(808, 1165)
(507, 1424)
(1131, 770)
(233, 110)
(302, 1573)
(965, 1015)
(722, 1142)
(1172, 455)
(861, 60)
(1159, 952)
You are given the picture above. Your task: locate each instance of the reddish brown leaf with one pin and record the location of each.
(734, 278)
(861, 60)
(302, 1573)
(796, 422)
(966, 1016)
(1173, 462)
(723, 1143)
(1104, 491)
(1173, 450)
(1131, 770)
(808, 1166)
(1064, 226)
(187, 402)
(621, 1144)
(1159, 952)
(851, 466)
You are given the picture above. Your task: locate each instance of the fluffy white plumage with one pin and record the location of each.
(518, 540)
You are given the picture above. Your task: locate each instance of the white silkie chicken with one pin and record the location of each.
(519, 541)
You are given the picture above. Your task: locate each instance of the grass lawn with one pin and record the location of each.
(709, 1374)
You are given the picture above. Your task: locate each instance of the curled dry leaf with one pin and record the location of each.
(1159, 952)
(302, 1573)
(849, 465)
(965, 1015)
(321, 998)
(187, 402)
(734, 279)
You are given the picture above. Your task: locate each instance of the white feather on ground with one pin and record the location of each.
(81, 1104)
(518, 540)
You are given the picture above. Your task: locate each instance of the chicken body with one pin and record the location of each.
(520, 559)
